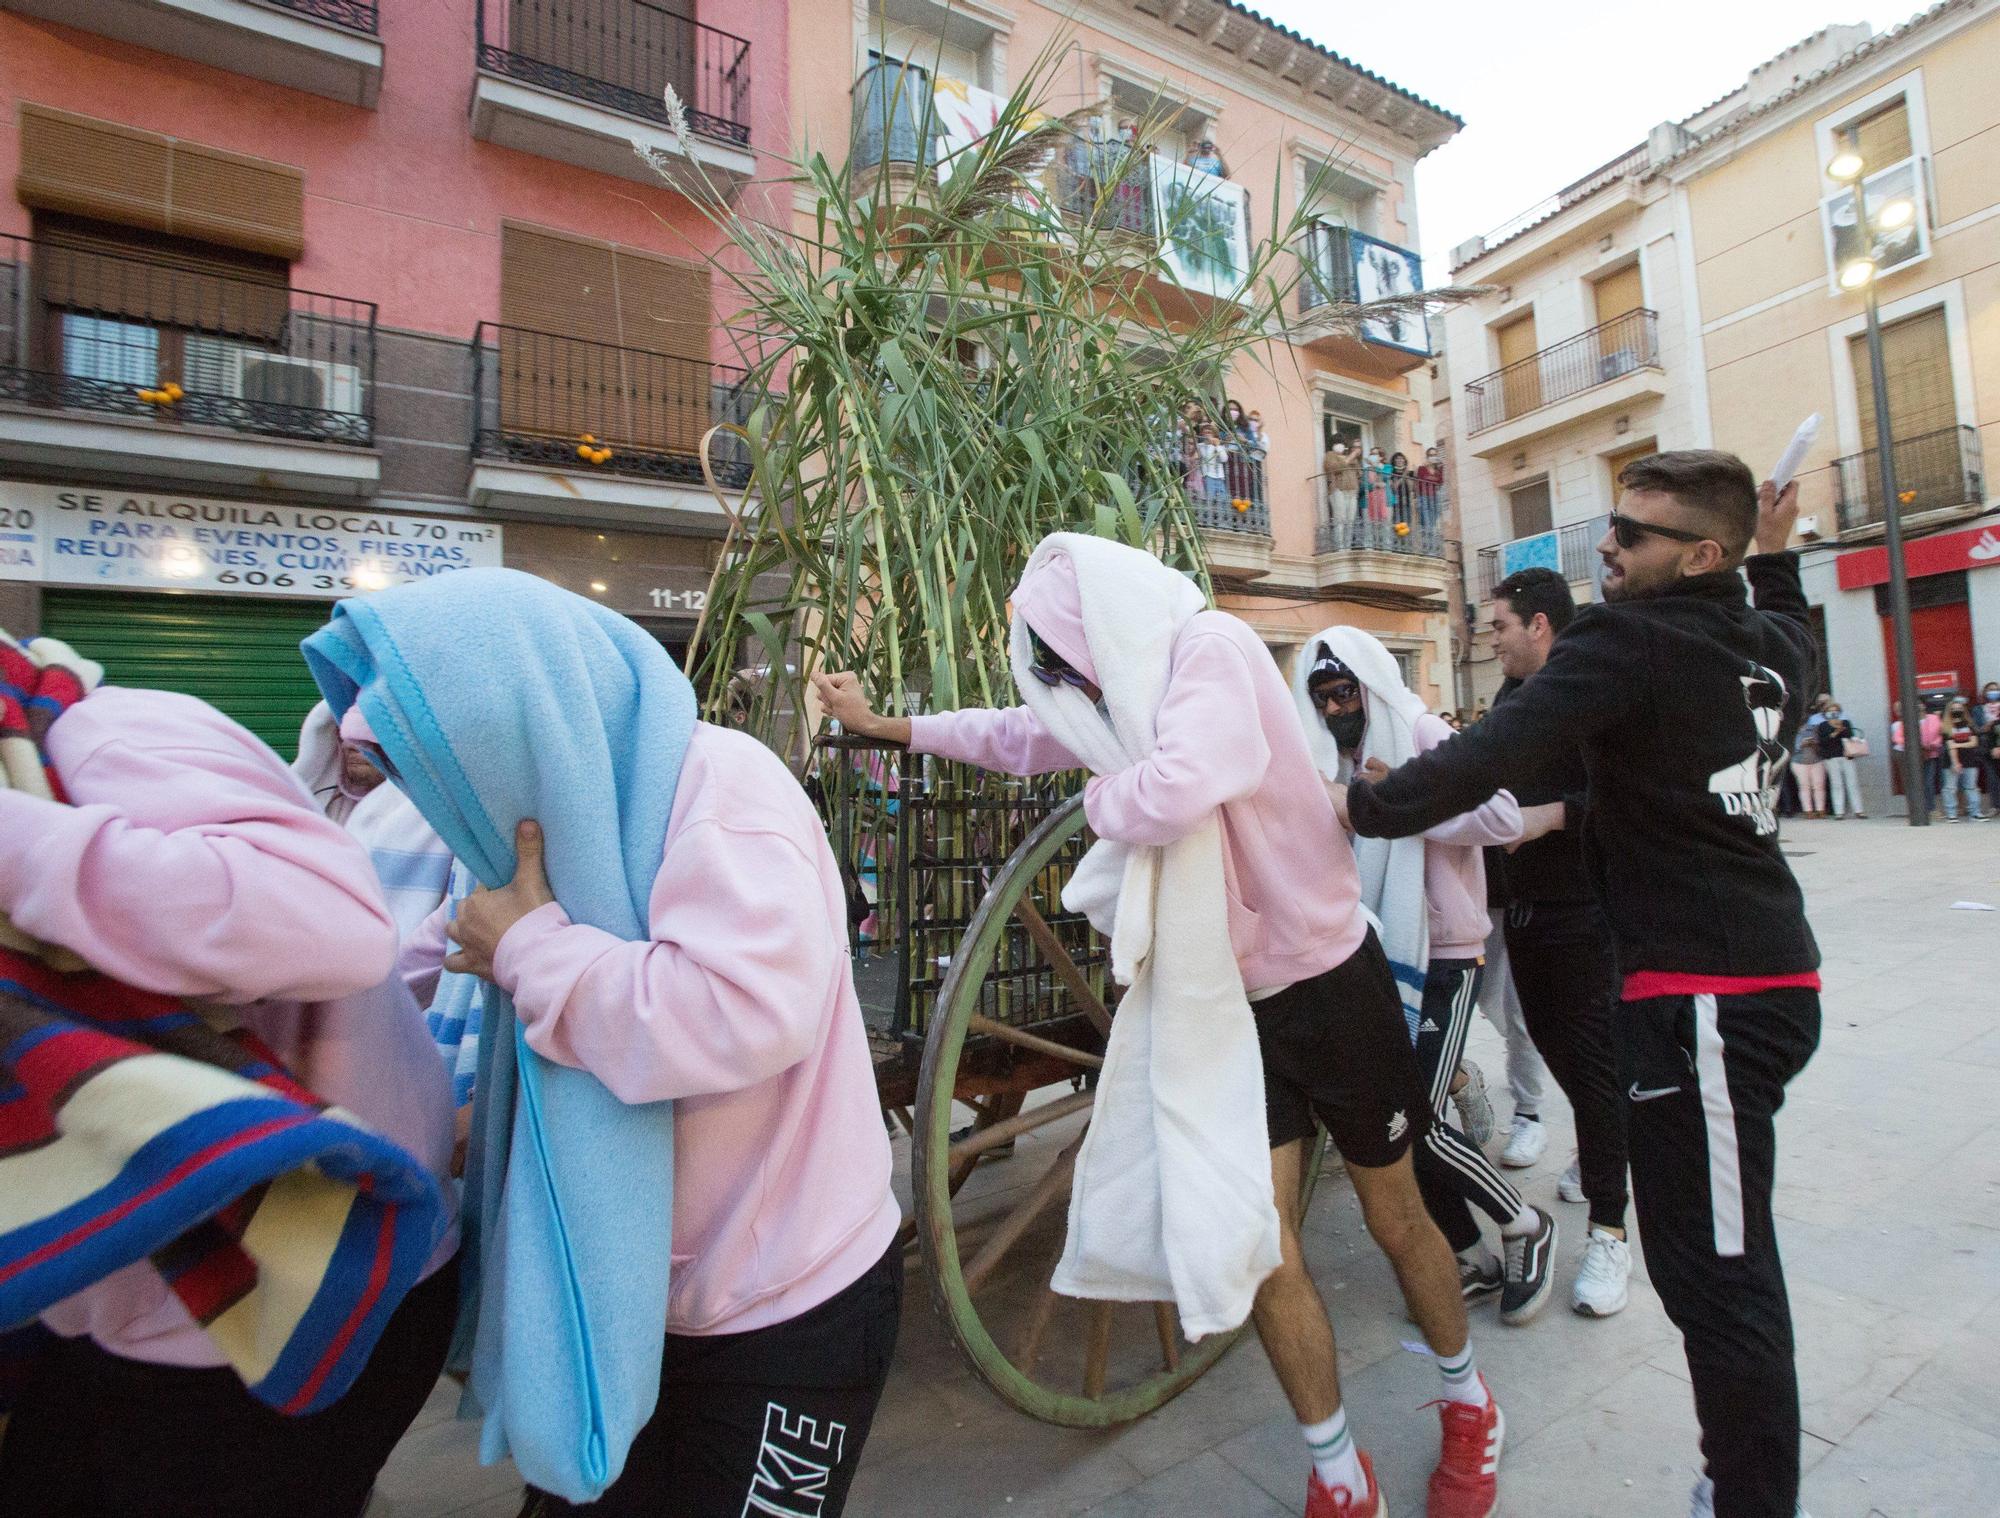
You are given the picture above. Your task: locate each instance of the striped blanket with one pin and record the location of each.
(132, 1129)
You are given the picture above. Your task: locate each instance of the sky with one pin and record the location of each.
(1550, 89)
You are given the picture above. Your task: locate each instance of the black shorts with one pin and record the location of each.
(1336, 1047)
(768, 1421)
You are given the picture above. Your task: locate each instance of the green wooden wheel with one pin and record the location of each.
(989, 1234)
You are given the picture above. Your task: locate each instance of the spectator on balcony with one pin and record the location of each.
(1203, 156)
(1187, 437)
(1402, 492)
(1375, 481)
(1214, 463)
(1341, 468)
(1430, 487)
(1236, 440)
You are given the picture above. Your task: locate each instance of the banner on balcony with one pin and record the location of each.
(66, 536)
(965, 114)
(1542, 551)
(1204, 227)
(1383, 271)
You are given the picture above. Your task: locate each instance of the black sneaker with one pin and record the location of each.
(1479, 1279)
(1531, 1271)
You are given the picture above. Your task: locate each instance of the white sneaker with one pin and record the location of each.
(1703, 1503)
(1570, 1187)
(1524, 1144)
(1600, 1279)
(1475, 1109)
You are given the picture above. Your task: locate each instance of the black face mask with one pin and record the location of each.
(1347, 729)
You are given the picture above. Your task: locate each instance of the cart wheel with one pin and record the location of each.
(990, 1247)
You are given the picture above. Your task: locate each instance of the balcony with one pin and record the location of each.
(325, 47)
(1339, 266)
(1571, 549)
(114, 363)
(1606, 369)
(584, 82)
(587, 429)
(1938, 474)
(1388, 537)
(1234, 515)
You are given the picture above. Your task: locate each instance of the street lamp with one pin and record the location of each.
(1858, 273)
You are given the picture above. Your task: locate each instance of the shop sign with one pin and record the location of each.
(67, 536)
(1974, 548)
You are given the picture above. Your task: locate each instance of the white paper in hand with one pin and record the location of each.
(1795, 452)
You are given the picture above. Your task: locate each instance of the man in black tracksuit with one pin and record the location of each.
(1683, 698)
(1559, 944)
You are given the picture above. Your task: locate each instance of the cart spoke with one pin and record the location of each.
(1026, 1040)
(1038, 1323)
(1170, 1349)
(1097, 1352)
(1059, 961)
(976, 1144)
(1016, 1223)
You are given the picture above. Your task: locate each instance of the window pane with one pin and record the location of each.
(120, 353)
(1899, 246)
(1529, 507)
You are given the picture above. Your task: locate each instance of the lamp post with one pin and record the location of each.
(1848, 167)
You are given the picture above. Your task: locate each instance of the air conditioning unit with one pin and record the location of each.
(1622, 361)
(221, 367)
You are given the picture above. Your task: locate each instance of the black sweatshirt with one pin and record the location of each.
(1683, 705)
(1552, 867)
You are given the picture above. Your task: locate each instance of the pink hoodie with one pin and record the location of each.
(192, 864)
(1228, 737)
(1454, 869)
(741, 1008)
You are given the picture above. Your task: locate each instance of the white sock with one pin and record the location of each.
(1526, 1221)
(1334, 1457)
(1461, 1378)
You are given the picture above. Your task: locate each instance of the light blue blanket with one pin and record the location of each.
(498, 696)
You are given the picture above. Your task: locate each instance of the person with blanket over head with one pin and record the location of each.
(1257, 998)
(226, 1133)
(685, 1280)
(1429, 895)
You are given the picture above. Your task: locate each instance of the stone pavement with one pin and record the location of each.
(1889, 1213)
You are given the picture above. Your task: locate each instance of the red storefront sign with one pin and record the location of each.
(1936, 680)
(1975, 548)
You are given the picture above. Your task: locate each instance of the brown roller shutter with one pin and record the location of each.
(105, 271)
(108, 172)
(601, 334)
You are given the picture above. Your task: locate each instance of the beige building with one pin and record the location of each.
(1585, 354)
(1769, 233)
(1282, 112)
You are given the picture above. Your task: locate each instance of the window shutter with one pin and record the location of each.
(599, 335)
(1916, 361)
(109, 271)
(107, 172)
(1884, 138)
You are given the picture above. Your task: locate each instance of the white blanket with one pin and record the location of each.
(1172, 1199)
(410, 860)
(1392, 870)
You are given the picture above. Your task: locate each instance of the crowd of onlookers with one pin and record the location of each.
(1383, 488)
(1959, 738)
(1222, 455)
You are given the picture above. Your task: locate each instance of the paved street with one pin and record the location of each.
(1889, 1202)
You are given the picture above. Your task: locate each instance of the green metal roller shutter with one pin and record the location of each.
(239, 655)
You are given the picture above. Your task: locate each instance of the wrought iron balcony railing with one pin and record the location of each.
(86, 330)
(570, 404)
(355, 15)
(1381, 515)
(1327, 276)
(1104, 185)
(1593, 358)
(622, 55)
(1237, 502)
(1934, 471)
(1576, 556)
(895, 121)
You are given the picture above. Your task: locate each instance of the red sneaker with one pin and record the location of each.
(1466, 1482)
(1338, 1502)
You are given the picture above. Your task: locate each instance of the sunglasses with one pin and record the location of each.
(1050, 667)
(1629, 530)
(1340, 692)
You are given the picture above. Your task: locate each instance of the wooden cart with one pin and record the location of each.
(989, 1006)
